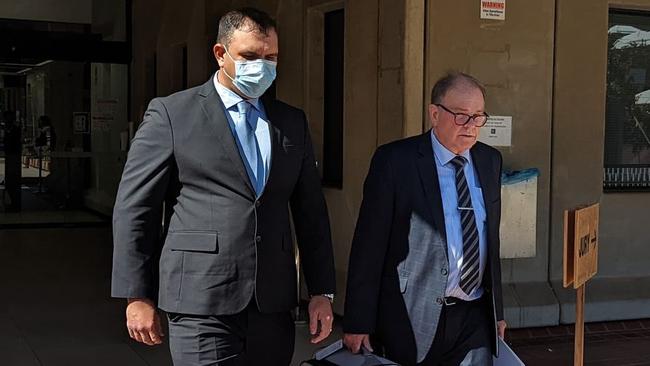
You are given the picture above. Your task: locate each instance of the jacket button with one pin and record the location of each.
(444, 271)
(439, 301)
(258, 239)
(257, 203)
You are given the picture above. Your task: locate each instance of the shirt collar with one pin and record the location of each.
(443, 155)
(229, 97)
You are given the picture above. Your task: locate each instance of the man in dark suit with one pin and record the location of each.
(227, 165)
(424, 274)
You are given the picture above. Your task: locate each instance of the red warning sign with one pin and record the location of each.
(493, 9)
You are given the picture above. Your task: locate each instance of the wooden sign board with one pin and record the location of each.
(580, 245)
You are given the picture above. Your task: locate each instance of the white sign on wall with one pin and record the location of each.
(493, 9)
(80, 122)
(497, 131)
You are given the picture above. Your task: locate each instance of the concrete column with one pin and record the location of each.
(360, 127)
(514, 59)
(415, 96)
(621, 289)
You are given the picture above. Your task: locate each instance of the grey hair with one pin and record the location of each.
(451, 80)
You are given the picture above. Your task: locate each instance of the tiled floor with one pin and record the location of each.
(45, 210)
(55, 311)
(50, 218)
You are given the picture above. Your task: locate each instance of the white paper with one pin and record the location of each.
(497, 131)
(327, 351)
(337, 354)
(507, 356)
(493, 9)
(347, 358)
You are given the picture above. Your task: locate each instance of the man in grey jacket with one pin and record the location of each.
(227, 164)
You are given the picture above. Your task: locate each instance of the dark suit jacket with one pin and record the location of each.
(222, 246)
(398, 264)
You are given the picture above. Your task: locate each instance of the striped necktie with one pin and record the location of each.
(469, 271)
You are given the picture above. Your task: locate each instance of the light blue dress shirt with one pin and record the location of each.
(230, 100)
(447, 180)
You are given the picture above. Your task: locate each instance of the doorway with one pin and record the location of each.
(63, 122)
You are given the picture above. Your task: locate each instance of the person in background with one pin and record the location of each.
(47, 134)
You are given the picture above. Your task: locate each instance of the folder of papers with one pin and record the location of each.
(507, 356)
(337, 354)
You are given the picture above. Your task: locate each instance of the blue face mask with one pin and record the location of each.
(253, 77)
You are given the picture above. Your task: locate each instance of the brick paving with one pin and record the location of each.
(621, 343)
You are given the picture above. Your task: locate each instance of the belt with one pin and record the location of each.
(449, 301)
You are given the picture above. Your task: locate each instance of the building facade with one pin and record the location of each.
(362, 70)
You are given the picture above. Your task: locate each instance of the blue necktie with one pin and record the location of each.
(246, 132)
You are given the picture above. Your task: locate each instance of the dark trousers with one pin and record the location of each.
(462, 336)
(247, 338)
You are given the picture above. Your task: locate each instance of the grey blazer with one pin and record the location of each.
(398, 264)
(220, 246)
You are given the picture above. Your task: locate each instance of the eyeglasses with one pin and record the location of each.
(461, 119)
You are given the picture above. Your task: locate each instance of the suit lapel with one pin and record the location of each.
(429, 178)
(215, 114)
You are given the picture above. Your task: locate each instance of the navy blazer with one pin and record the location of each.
(398, 267)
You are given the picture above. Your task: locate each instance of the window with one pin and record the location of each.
(627, 125)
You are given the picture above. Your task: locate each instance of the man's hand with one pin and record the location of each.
(143, 322)
(320, 313)
(501, 328)
(355, 341)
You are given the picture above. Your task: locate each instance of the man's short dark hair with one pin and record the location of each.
(450, 81)
(248, 19)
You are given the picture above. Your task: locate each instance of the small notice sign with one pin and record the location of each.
(497, 131)
(580, 245)
(81, 123)
(493, 9)
(580, 264)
